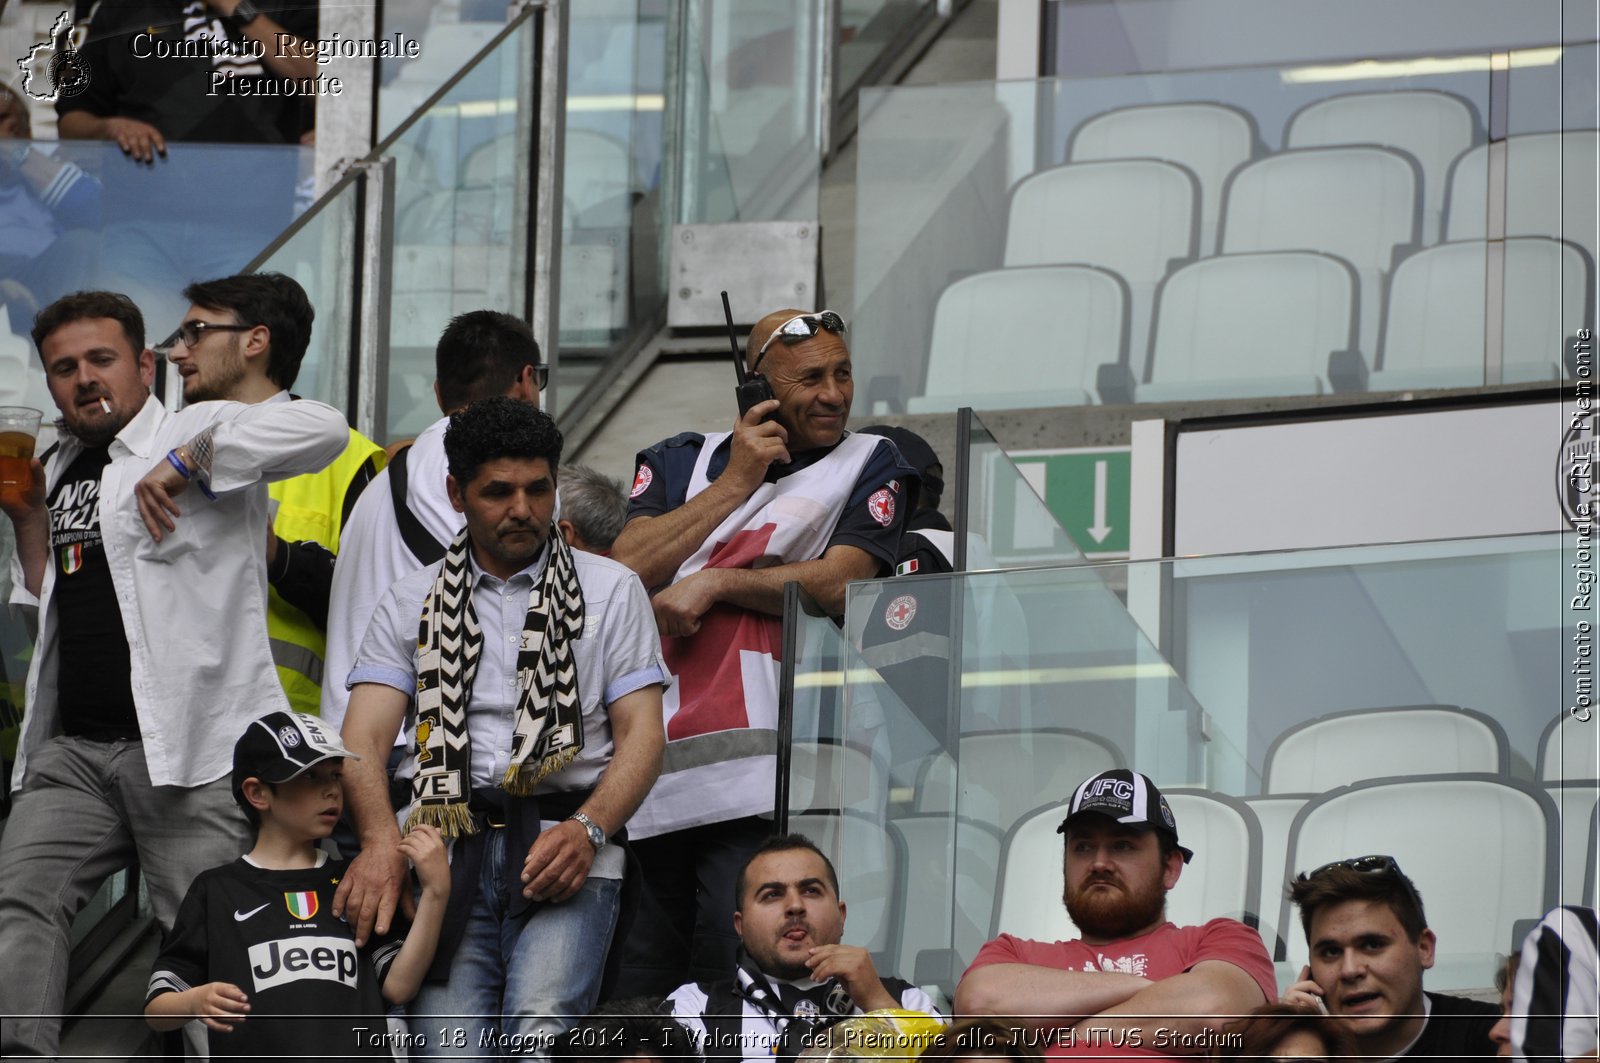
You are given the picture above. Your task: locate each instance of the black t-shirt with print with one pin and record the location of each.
(273, 934)
(93, 683)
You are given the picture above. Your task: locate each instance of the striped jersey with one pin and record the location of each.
(1554, 1000)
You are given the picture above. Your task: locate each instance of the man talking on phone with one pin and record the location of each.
(717, 524)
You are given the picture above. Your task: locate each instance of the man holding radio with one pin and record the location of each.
(717, 524)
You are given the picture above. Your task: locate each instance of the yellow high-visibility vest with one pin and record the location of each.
(310, 508)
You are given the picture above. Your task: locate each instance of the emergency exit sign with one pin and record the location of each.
(1086, 490)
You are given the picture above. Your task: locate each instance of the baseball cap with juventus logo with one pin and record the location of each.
(1125, 797)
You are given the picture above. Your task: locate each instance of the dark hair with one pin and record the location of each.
(782, 843)
(81, 306)
(480, 355)
(1258, 1033)
(594, 503)
(982, 1036)
(624, 1029)
(499, 428)
(1336, 884)
(269, 299)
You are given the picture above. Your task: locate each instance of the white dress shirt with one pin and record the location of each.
(194, 605)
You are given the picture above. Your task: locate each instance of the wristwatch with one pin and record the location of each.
(246, 13)
(597, 837)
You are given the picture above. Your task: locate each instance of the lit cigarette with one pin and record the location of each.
(104, 405)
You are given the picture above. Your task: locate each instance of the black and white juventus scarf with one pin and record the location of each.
(794, 1011)
(548, 723)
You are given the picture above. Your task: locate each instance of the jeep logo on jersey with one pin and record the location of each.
(301, 905)
(329, 959)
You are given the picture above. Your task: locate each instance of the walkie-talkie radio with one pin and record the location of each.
(753, 388)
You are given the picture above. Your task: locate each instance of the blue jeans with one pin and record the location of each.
(517, 985)
(87, 808)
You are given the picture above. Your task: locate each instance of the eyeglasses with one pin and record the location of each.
(541, 374)
(192, 332)
(802, 327)
(1376, 864)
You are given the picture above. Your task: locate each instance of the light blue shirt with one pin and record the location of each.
(618, 653)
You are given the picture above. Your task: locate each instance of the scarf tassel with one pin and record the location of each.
(453, 820)
(520, 779)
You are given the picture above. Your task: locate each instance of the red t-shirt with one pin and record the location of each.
(1163, 952)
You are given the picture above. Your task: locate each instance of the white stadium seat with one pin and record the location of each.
(1480, 848)
(1550, 189)
(1246, 326)
(1345, 747)
(1033, 336)
(1130, 216)
(1433, 127)
(1210, 139)
(1006, 774)
(1359, 203)
(1433, 333)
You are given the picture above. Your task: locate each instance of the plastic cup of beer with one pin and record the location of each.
(19, 429)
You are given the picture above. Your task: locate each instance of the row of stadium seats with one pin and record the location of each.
(1444, 767)
(1362, 195)
(1250, 325)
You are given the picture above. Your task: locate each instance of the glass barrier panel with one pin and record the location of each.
(751, 152)
(1167, 217)
(322, 255)
(868, 31)
(81, 215)
(1295, 708)
(611, 279)
(1008, 524)
(1550, 220)
(852, 776)
(447, 36)
(1103, 37)
(455, 248)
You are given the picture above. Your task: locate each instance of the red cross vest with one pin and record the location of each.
(722, 707)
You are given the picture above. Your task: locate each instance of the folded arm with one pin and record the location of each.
(1185, 1005)
(680, 606)
(1044, 992)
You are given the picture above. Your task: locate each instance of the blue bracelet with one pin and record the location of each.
(177, 463)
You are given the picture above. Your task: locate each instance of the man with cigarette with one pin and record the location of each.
(152, 650)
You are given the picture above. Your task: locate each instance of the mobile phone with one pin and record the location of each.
(752, 388)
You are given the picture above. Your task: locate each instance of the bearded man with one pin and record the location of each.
(1134, 984)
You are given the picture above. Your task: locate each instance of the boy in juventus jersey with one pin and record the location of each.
(256, 953)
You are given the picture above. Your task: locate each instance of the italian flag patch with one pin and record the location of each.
(906, 567)
(301, 905)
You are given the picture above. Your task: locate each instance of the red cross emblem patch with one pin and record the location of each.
(641, 480)
(881, 506)
(901, 612)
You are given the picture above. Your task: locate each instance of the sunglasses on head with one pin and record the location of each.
(802, 327)
(1376, 864)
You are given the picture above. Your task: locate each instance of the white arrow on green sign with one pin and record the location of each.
(1086, 489)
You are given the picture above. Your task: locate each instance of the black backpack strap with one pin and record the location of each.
(423, 546)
